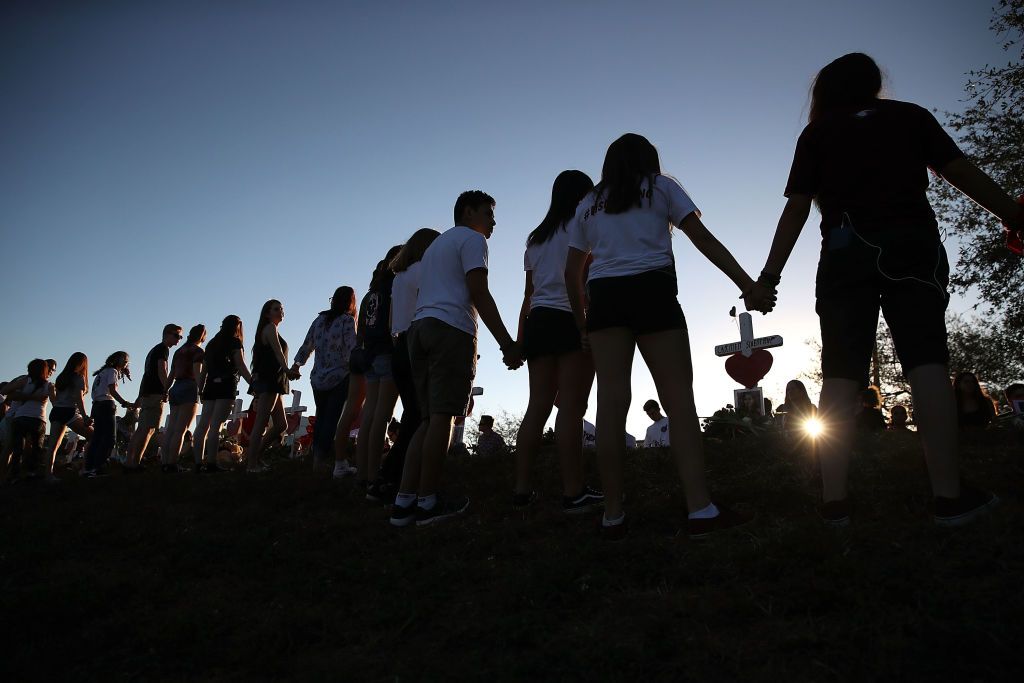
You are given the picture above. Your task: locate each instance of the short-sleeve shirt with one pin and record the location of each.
(332, 339)
(546, 263)
(375, 316)
(184, 362)
(657, 434)
(635, 241)
(101, 384)
(403, 298)
(69, 395)
(870, 161)
(219, 358)
(151, 384)
(444, 294)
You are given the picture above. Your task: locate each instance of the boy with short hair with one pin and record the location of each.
(442, 351)
(152, 396)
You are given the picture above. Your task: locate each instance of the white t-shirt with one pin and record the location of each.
(636, 241)
(36, 408)
(403, 298)
(444, 293)
(101, 385)
(547, 263)
(657, 434)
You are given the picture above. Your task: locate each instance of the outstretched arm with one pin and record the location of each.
(756, 296)
(476, 281)
(976, 184)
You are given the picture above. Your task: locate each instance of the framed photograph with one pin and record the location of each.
(748, 402)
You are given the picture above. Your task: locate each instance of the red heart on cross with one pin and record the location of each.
(748, 371)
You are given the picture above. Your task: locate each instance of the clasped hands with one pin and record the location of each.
(761, 295)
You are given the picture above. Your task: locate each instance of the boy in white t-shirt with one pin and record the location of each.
(657, 433)
(442, 351)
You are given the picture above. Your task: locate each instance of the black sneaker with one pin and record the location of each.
(213, 468)
(171, 469)
(521, 501)
(403, 516)
(443, 509)
(726, 519)
(971, 504)
(380, 492)
(835, 513)
(98, 472)
(587, 501)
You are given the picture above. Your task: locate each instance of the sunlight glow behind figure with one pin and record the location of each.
(813, 427)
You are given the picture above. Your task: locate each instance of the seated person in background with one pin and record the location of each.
(489, 442)
(870, 418)
(974, 408)
(898, 418)
(657, 433)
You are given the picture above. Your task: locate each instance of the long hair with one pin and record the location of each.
(568, 190)
(231, 326)
(113, 360)
(413, 250)
(797, 400)
(851, 81)
(264, 321)
(975, 392)
(383, 271)
(343, 301)
(78, 364)
(630, 161)
(196, 335)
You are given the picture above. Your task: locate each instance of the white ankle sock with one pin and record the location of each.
(613, 522)
(404, 500)
(710, 512)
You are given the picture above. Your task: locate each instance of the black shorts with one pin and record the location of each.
(645, 302)
(217, 388)
(853, 285)
(550, 332)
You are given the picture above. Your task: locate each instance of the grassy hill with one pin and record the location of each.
(287, 576)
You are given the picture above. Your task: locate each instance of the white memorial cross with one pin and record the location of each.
(748, 343)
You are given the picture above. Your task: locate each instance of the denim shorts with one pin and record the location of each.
(183, 392)
(380, 368)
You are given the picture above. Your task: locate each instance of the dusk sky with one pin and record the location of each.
(181, 161)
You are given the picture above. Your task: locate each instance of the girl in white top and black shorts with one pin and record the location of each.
(560, 370)
(625, 224)
(28, 426)
(68, 410)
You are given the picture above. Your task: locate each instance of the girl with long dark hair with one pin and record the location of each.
(224, 362)
(864, 161)
(104, 393)
(625, 225)
(68, 410)
(381, 391)
(559, 367)
(406, 267)
(331, 336)
(270, 375)
(183, 396)
(975, 409)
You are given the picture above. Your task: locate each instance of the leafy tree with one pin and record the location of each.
(991, 133)
(988, 351)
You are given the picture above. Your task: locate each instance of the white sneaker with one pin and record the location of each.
(342, 469)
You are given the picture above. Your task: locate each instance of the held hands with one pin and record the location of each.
(293, 373)
(512, 356)
(760, 297)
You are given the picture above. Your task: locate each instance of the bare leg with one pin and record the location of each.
(838, 402)
(137, 446)
(413, 456)
(221, 409)
(264, 406)
(612, 350)
(202, 430)
(387, 395)
(181, 418)
(543, 387)
(436, 439)
(667, 354)
(935, 414)
(575, 379)
(56, 436)
(365, 426)
(351, 413)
